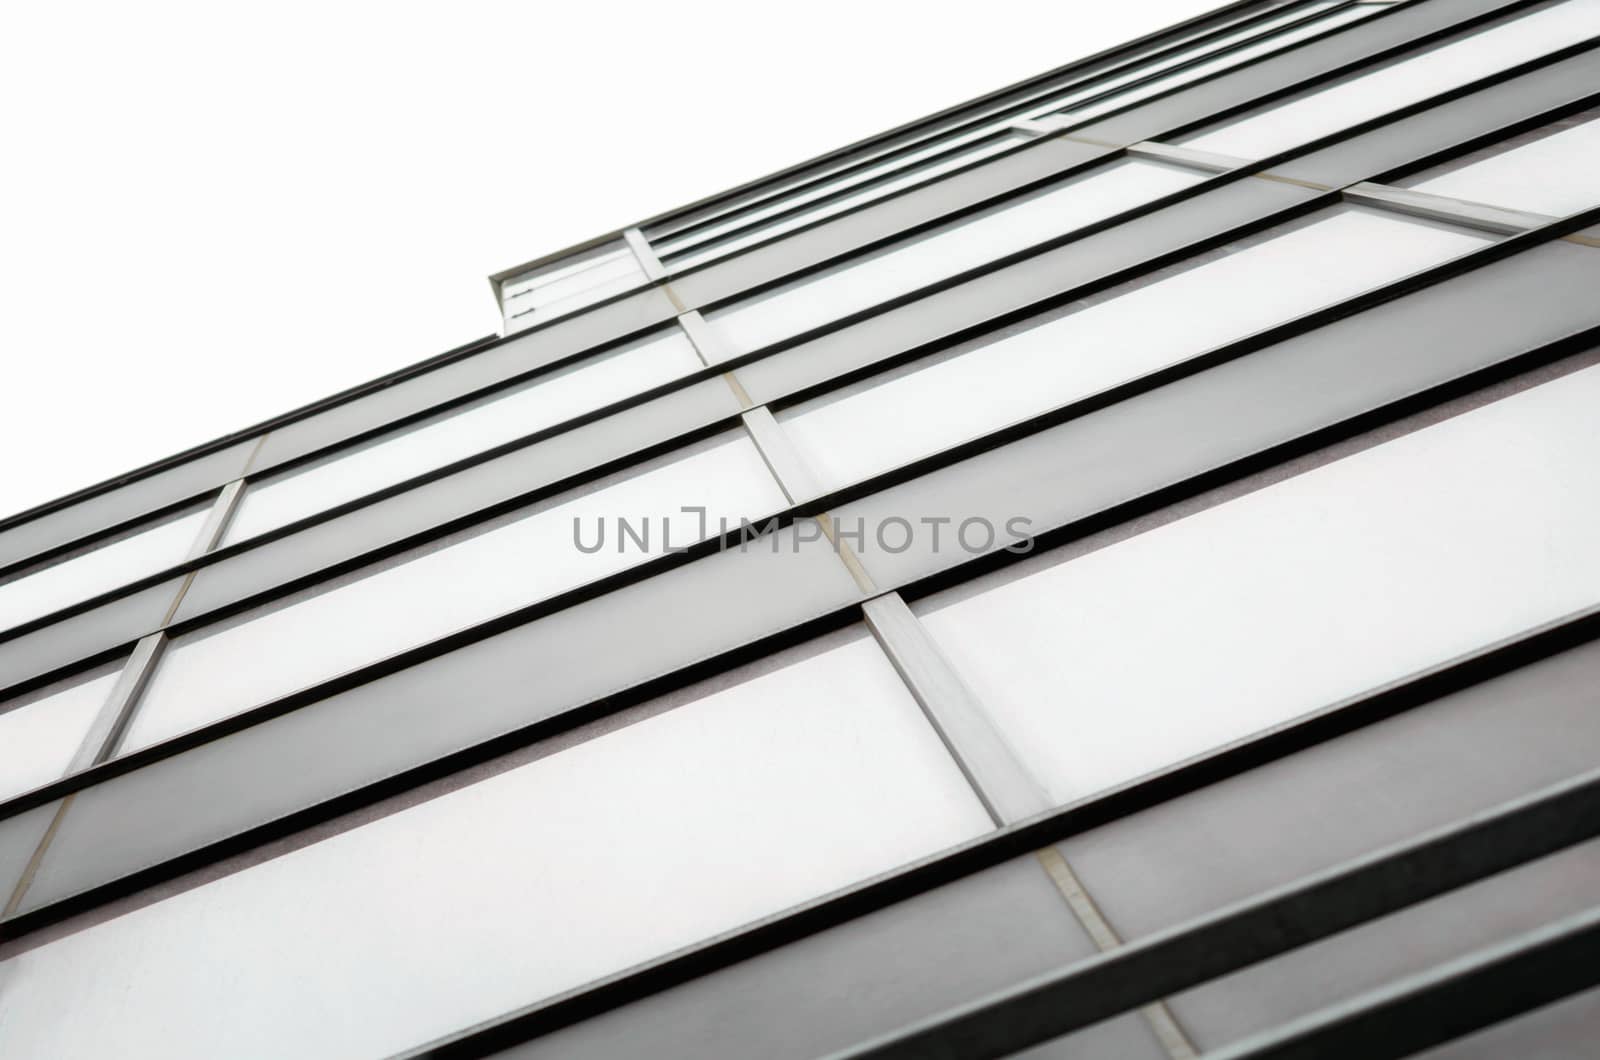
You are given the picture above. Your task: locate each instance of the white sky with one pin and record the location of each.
(213, 213)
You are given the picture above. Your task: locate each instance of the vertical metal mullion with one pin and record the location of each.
(654, 271)
(1003, 784)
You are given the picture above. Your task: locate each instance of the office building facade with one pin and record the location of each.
(1109, 569)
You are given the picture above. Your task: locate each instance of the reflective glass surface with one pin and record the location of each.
(210, 675)
(850, 438)
(729, 808)
(1410, 81)
(413, 451)
(76, 578)
(1557, 175)
(1291, 598)
(869, 281)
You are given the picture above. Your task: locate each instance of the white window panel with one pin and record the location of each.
(208, 676)
(38, 739)
(416, 450)
(1292, 598)
(1276, 42)
(563, 287)
(722, 811)
(874, 279)
(915, 173)
(897, 421)
(1402, 84)
(97, 571)
(1557, 175)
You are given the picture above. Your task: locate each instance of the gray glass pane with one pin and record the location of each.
(1045, 157)
(1405, 943)
(1016, 286)
(457, 700)
(1236, 409)
(1438, 128)
(861, 284)
(1356, 44)
(472, 489)
(723, 810)
(68, 581)
(72, 640)
(546, 345)
(124, 504)
(1303, 593)
(1554, 175)
(863, 978)
(1427, 768)
(904, 171)
(501, 418)
(212, 674)
(19, 838)
(1226, 60)
(1153, 326)
(40, 733)
(1412, 80)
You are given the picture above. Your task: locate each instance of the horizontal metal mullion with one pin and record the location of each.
(254, 431)
(999, 200)
(729, 200)
(1446, 1002)
(1256, 929)
(1157, 75)
(1327, 77)
(201, 560)
(1374, 61)
(978, 121)
(1227, 761)
(1487, 138)
(1490, 253)
(1015, 841)
(842, 193)
(1441, 208)
(317, 518)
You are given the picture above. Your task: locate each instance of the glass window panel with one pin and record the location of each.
(935, 140)
(864, 283)
(567, 286)
(1402, 84)
(99, 570)
(207, 676)
(693, 250)
(1296, 596)
(1556, 175)
(1351, 250)
(1266, 46)
(730, 808)
(39, 738)
(413, 451)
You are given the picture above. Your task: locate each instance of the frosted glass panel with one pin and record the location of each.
(1557, 175)
(895, 422)
(416, 450)
(568, 285)
(913, 173)
(1294, 597)
(101, 570)
(38, 740)
(1189, 74)
(929, 259)
(727, 809)
(205, 677)
(1411, 81)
